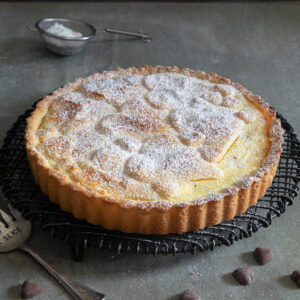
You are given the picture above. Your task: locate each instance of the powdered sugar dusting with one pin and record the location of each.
(219, 129)
(63, 31)
(134, 124)
(129, 144)
(142, 135)
(162, 158)
(115, 90)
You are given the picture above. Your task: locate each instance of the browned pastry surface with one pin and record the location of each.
(154, 149)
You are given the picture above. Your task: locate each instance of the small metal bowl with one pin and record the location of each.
(63, 45)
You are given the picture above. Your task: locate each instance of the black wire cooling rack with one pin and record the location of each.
(19, 189)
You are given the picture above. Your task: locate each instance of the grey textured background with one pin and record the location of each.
(256, 44)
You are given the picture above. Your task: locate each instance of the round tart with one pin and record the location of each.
(154, 150)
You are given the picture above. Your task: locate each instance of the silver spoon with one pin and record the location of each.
(14, 232)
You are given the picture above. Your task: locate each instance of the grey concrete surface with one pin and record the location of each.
(257, 44)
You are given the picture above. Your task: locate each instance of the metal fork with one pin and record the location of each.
(14, 232)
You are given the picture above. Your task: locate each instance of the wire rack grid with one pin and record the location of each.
(19, 189)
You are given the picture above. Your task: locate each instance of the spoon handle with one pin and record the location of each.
(144, 36)
(77, 290)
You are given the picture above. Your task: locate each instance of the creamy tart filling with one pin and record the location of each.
(150, 137)
(153, 150)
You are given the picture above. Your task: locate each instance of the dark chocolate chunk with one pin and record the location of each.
(243, 275)
(263, 255)
(188, 295)
(296, 277)
(30, 289)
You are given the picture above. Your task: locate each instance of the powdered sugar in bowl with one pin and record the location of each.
(65, 36)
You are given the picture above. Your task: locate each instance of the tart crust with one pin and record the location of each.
(154, 217)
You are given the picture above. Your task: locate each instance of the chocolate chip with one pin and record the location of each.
(243, 275)
(263, 255)
(188, 295)
(30, 289)
(296, 277)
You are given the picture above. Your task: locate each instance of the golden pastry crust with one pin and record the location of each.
(159, 216)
